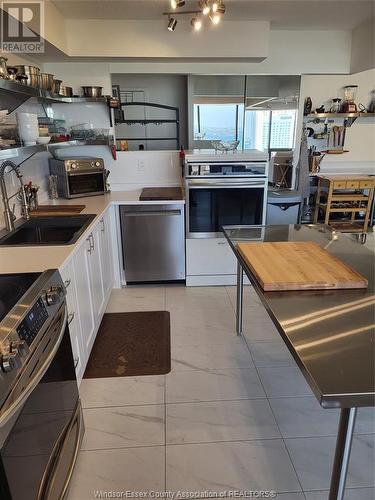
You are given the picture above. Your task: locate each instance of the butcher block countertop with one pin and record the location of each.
(31, 259)
(161, 194)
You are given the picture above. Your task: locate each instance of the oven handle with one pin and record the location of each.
(52, 465)
(17, 403)
(84, 172)
(213, 184)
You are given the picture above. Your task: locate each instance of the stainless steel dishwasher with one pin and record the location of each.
(153, 242)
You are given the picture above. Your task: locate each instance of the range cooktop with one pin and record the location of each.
(12, 288)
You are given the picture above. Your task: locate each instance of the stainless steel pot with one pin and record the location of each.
(32, 73)
(66, 91)
(92, 91)
(46, 80)
(56, 86)
(3, 68)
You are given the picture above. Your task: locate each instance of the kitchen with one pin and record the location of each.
(143, 157)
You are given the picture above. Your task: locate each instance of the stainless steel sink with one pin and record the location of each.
(48, 231)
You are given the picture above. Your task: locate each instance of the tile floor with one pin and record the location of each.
(234, 413)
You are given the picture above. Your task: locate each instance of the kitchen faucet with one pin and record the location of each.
(9, 215)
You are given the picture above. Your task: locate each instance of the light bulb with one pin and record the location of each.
(215, 19)
(196, 23)
(205, 8)
(215, 6)
(175, 4)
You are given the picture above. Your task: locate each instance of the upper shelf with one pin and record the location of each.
(17, 93)
(339, 115)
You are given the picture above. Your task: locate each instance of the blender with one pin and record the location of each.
(348, 105)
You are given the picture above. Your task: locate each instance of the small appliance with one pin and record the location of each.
(79, 177)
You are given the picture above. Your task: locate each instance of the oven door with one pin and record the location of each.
(85, 183)
(42, 425)
(213, 203)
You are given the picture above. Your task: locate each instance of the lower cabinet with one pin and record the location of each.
(88, 278)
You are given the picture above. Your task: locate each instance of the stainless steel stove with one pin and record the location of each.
(41, 423)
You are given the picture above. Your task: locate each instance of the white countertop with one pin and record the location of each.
(28, 259)
(217, 156)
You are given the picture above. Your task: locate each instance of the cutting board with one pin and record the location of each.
(300, 265)
(161, 194)
(57, 210)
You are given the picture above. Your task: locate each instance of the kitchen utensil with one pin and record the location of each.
(28, 128)
(299, 265)
(314, 162)
(66, 91)
(52, 187)
(3, 68)
(336, 105)
(307, 106)
(92, 91)
(350, 93)
(32, 73)
(12, 71)
(56, 86)
(46, 81)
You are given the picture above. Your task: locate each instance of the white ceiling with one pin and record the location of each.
(283, 14)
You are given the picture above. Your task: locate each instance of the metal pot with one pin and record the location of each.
(91, 91)
(66, 91)
(56, 86)
(46, 80)
(12, 72)
(32, 73)
(3, 68)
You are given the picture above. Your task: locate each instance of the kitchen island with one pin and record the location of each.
(330, 333)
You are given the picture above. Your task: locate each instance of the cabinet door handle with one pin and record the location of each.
(76, 361)
(67, 283)
(103, 225)
(71, 317)
(93, 242)
(89, 250)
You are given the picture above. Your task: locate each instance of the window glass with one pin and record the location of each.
(215, 122)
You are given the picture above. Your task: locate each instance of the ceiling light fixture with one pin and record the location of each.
(172, 23)
(176, 4)
(220, 8)
(196, 23)
(206, 9)
(215, 18)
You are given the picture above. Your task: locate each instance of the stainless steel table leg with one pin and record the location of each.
(342, 453)
(239, 305)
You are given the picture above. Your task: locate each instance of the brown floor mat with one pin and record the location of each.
(130, 344)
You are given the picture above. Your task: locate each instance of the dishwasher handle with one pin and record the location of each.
(148, 213)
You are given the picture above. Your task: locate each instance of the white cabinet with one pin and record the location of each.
(106, 254)
(79, 356)
(88, 278)
(209, 261)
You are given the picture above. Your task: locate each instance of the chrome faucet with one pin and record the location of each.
(9, 214)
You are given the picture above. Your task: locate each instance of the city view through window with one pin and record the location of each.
(259, 130)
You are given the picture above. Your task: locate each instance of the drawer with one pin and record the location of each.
(211, 256)
(366, 184)
(339, 185)
(352, 185)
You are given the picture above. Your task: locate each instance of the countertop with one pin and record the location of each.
(28, 259)
(330, 333)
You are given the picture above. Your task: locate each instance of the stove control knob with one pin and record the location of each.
(19, 347)
(97, 164)
(73, 165)
(54, 294)
(10, 362)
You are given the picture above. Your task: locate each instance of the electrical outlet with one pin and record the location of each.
(141, 165)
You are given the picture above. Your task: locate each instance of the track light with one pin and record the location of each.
(205, 7)
(220, 8)
(172, 23)
(196, 23)
(176, 4)
(215, 18)
(215, 5)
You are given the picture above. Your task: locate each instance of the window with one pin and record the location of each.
(218, 122)
(254, 128)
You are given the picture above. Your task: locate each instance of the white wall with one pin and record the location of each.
(151, 39)
(363, 47)
(360, 137)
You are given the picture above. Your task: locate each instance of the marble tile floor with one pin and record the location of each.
(233, 414)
